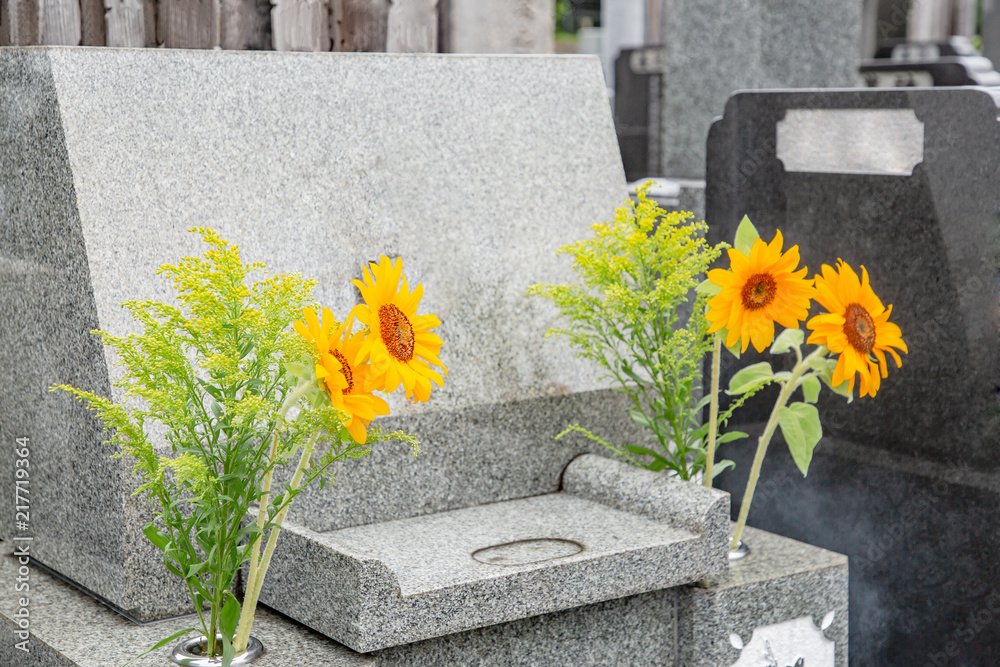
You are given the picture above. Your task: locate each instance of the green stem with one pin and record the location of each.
(254, 583)
(713, 411)
(246, 615)
(765, 439)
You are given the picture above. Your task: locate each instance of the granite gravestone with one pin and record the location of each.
(991, 31)
(111, 155)
(906, 183)
(708, 54)
(638, 78)
(910, 64)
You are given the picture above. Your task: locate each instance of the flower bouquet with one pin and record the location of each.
(245, 381)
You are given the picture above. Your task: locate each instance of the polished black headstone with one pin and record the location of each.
(906, 183)
(638, 77)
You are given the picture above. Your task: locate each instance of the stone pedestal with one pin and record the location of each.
(781, 582)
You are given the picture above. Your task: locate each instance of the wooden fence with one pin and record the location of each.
(283, 25)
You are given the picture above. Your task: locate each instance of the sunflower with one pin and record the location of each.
(758, 291)
(857, 327)
(348, 383)
(399, 342)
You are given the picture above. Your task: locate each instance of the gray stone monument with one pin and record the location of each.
(907, 183)
(497, 542)
(104, 169)
(709, 54)
(991, 31)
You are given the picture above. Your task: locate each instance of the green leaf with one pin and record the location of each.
(162, 643)
(230, 616)
(195, 569)
(788, 339)
(843, 388)
(822, 364)
(708, 287)
(746, 234)
(810, 388)
(735, 349)
(297, 370)
(800, 425)
(228, 652)
(156, 536)
(783, 376)
(627, 369)
(657, 464)
(720, 466)
(729, 437)
(639, 418)
(750, 377)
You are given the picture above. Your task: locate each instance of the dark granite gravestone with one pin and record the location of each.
(945, 71)
(638, 76)
(907, 484)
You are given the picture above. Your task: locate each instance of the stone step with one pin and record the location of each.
(613, 531)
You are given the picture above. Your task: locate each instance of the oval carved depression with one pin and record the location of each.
(525, 552)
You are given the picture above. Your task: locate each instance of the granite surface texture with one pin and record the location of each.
(903, 482)
(398, 582)
(92, 527)
(69, 628)
(313, 163)
(753, 44)
(780, 580)
(472, 455)
(991, 31)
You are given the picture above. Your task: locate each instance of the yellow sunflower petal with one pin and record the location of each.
(856, 327)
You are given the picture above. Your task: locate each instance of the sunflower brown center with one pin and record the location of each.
(859, 328)
(345, 369)
(758, 291)
(397, 332)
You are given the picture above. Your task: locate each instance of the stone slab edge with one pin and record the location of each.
(780, 580)
(357, 601)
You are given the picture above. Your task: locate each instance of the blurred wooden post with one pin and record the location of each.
(92, 23)
(246, 24)
(59, 22)
(125, 23)
(300, 25)
(18, 22)
(359, 25)
(186, 24)
(412, 27)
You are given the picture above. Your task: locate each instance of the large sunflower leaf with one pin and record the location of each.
(750, 377)
(788, 339)
(802, 430)
(746, 234)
